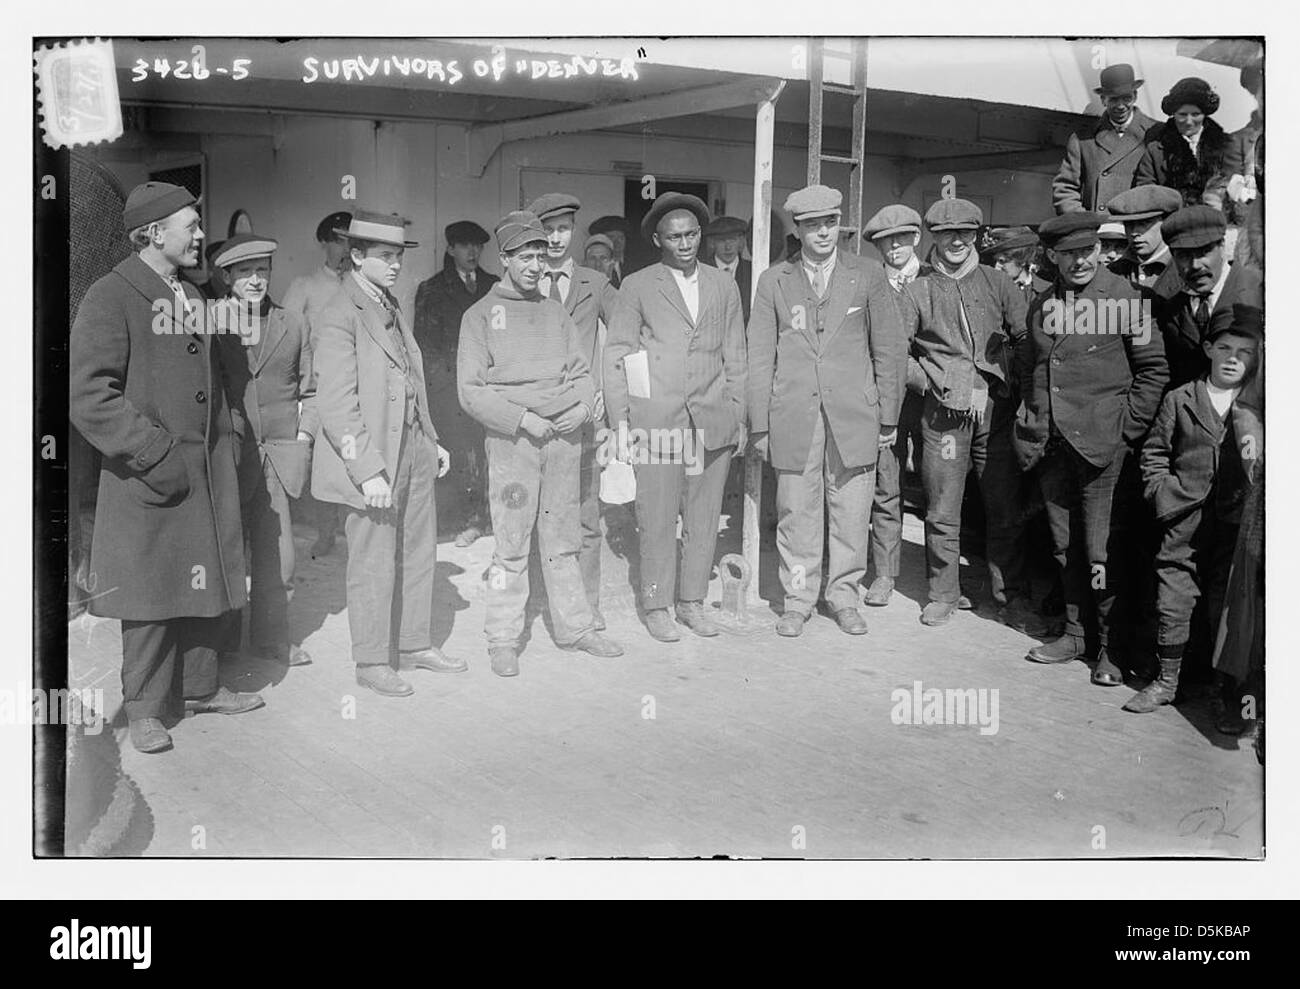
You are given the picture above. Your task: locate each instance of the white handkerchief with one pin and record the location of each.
(617, 483)
(637, 367)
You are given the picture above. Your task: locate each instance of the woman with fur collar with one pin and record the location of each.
(1191, 152)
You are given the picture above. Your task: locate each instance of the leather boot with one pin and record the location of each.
(1159, 691)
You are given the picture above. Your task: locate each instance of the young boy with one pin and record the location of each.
(522, 372)
(1198, 464)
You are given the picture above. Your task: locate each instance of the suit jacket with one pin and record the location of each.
(440, 304)
(697, 367)
(1182, 337)
(1099, 164)
(1180, 459)
(591, 300)
(153, 398)
(269, 381)
(1100, 389)
(744, 282)
(854, 368)
(360, 395)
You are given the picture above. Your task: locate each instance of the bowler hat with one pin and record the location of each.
(518, 228)
(380, 228)
(553, 204)
(668, 202)
(895, 219)
(727, 226)
(1118, 79)
(953, 214)
(243, 247)
(1194, 226)
(1143, 202)
(153, 201)
(1070, 231)
(1190, 90)
(608, 224)
(465, 232)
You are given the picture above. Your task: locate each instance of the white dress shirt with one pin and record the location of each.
(689, 286)
(826, 267)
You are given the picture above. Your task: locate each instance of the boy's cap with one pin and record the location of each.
(1247, 321)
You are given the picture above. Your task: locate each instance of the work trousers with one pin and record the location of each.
(392, 554)
(1196, 550)
(1087, 511)
(164, 663)
(270, 538)
(803, 498)
(887, 505)
(535, 484)
(954, 444)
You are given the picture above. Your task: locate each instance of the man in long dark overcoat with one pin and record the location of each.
(147, 390)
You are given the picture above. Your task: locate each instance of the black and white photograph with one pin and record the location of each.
(770, 447)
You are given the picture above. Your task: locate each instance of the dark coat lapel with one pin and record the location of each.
(150, 284)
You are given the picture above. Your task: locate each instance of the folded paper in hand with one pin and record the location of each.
(637, 367)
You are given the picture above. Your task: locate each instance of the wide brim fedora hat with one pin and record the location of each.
(380, 228)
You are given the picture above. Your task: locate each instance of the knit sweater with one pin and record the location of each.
(519, 354)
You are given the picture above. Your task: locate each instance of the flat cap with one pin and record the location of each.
(895, 219)
(335, 223)
(998, 239)
(813, 200)
(605, 224)
(465, 232)
(598, 239)
(553, 204)
(381, 228)
(1070, 231)
(1247, 321)
(1112, 230)
(727, 226)
(669, 202)
(1144, 202)
(243, 247)
(151, 201)
(517, 229)
(954, 214)
(1194, 226)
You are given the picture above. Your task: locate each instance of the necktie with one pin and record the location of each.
(1202, 315)
(819, 281)
(555, 286)
(469, 282)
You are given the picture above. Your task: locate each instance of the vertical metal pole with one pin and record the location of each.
(816, 72)
(764, 130)
(859, 150)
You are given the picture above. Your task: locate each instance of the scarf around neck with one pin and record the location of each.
(961, 271)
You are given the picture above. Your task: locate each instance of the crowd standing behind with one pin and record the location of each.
(1099, 373)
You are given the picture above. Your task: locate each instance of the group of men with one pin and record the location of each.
(990, 368)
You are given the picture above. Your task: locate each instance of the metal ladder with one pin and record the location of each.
(818, 88)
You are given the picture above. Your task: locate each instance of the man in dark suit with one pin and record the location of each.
(440, 304)
(1148, 263)
(828, 362)
(148, 390)
(590, 300)
(272, 378)
(726, 239)
(1092, 377)
(378, 456)
(1211, 287)
(1101, 159)
(679, 332)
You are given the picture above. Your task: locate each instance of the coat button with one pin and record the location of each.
(192, 347)
(200, 397)
(1056, 387)
(392, 397)
(1056, 361)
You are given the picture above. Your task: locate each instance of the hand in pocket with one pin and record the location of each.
(168, 481)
